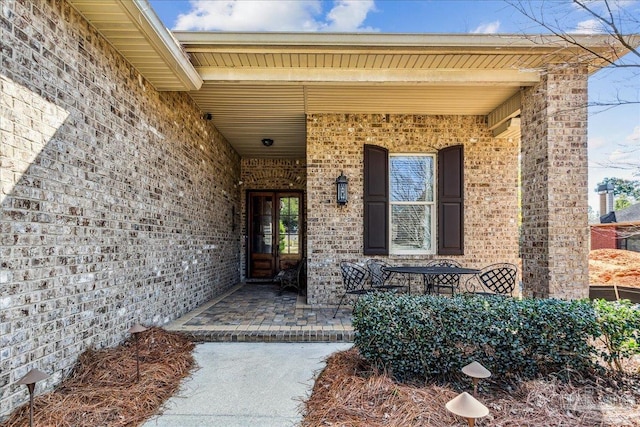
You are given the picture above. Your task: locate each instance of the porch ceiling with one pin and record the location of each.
(262, 85)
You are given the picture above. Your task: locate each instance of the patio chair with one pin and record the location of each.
(293, 277)
(437, 282)
(494, 279)
(354, 279)
(380, 278)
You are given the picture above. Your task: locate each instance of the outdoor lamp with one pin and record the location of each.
(135, 330)
(468, 407)
(341, 189)
(30, 380)
(267, 142)
(476, 371)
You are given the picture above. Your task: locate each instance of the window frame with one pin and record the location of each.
(433, 205)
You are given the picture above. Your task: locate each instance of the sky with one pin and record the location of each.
(614, 133)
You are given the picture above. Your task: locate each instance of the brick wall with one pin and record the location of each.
(555, 245)
(270, 174)
(604, 237)
(335, 143)
(116, 200)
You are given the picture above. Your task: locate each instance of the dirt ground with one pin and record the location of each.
(614, 266)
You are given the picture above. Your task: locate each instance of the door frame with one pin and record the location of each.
(278, 261)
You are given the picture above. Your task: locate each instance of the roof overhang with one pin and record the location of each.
(133, 28)
(616, 224)
(263, 85)
(260, 85)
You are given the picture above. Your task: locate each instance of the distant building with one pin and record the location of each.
(618, 230)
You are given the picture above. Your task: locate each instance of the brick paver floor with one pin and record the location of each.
(258, 312)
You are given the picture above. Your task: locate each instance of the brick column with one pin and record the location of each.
(555, 229)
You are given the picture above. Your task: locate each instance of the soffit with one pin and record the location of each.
(246, 113)
(261, 85)
(137, 33)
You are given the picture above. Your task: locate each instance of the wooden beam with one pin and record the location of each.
(505, 111)
(336, 75)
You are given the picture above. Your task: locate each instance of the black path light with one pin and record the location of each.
(468, 407)
(476, 371)
(135, 330)
(341, 189)
(30, 380)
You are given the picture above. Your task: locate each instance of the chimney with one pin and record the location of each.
(606, 198)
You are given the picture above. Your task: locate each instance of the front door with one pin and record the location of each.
(275, 230)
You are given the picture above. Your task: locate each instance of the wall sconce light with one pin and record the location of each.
(267, 142)
(341, 189)
(30, 380)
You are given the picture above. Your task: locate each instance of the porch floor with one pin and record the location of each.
(257, 313)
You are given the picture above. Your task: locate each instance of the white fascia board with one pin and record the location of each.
(337, 41)
(334, 75)
(162, 40)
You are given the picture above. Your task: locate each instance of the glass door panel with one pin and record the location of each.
(275, 232)
(289, 226)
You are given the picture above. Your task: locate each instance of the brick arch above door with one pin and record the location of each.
(274, 174)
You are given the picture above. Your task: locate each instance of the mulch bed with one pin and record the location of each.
(103, 391)
(349, 393)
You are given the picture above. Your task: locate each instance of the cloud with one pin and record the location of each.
(348, 15)
(275, 15)
(488, 28)
(597, 142)
(634, 136)
(617, 155)
(589, 26)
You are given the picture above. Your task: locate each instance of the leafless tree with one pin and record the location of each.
(620, 19)
(616, 18)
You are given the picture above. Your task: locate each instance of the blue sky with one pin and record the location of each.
(614, 134)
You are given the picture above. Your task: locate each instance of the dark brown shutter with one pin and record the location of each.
(376, 200)
(451, 201)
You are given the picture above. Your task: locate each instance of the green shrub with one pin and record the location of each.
(619, 322)
(414, 337)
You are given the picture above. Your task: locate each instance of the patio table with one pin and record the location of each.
(426, 271)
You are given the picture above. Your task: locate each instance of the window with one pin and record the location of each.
(412, 203)
(413, 206)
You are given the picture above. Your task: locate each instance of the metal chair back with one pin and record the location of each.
(499, 278)
(377, 274)
(434, 282)
(293, 277)
(354, 277)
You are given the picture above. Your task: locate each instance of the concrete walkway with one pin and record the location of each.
(247, 384)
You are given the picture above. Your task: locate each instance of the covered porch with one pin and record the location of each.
(515, 105)
(260, 312)
(298, 110)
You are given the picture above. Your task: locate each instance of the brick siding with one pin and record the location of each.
(121, 204)
(604, 237)
(116, 199)
(555, 241)
(335, 143)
